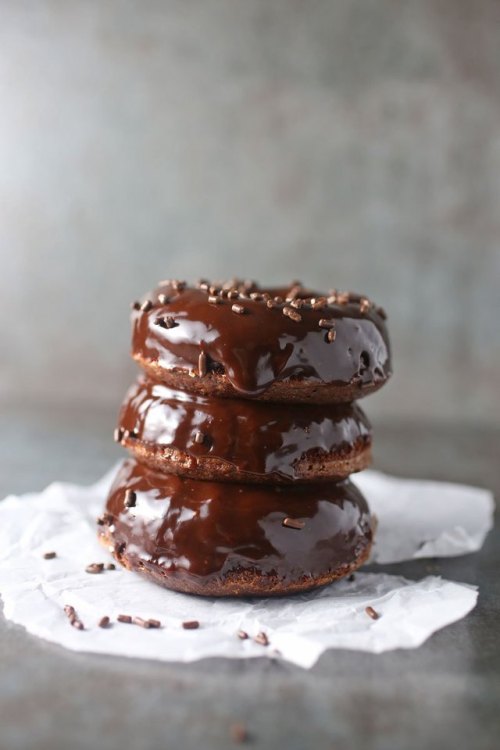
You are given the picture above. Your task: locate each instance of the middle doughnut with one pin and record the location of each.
(241, 440)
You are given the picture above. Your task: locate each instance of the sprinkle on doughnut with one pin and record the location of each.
(342, 298)
(319, 303)
(292, 314)
(202, 364)
(130, 499)
(238, 309)
(146, 305)
(331, 335)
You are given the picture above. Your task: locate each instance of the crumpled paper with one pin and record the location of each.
(415, 519)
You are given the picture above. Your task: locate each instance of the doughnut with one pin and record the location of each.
(283, 344)
(240, 440)
(234, 539)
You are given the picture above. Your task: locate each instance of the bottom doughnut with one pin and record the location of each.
(228, 539)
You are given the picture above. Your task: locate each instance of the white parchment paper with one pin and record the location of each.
(415, 519)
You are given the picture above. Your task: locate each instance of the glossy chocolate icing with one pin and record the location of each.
(202, 531)
(262, 345)
(253, 436)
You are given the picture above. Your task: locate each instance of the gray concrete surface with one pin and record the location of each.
(354, 143)
(442, 696)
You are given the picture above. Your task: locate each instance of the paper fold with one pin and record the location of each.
(415, 519)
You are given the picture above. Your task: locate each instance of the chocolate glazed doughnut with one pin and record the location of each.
(276, 344)
(223, 539)
(240, 440)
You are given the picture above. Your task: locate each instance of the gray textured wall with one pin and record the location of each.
(352, 143)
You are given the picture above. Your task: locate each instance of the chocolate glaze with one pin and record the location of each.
(203, 531)
(263, 345)
(253, 436)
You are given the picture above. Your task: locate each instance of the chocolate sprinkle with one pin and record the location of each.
(163, 299)
(242, 635)
(94, 568)
(292, 314)
(49, 555)
(324, 323)
(191, 625)
(154, 623)
(141, 622)
(104, 520)
(130, 499)
(74, 621)
(124, 618)
(238, 309)
(364, 305)
(146, 305)
(262, 639)
(214, 300)
(293, 523)
(372, 613)
(135, 305)
(199, 437)
(319, 303)
(104, 622)
(202, 364)
(331, 335)
(118, 434)
(110, 566)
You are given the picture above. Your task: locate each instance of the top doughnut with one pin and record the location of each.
(275, 344)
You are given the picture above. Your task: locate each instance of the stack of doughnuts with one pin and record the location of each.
(243, 429)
